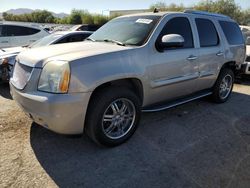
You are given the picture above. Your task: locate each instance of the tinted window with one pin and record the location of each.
(1, 30)
(11, 30)
(232, 32)
(207, 33)
(180, 26)
(73, 38)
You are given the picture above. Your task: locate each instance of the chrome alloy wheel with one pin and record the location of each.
(226, 86)
(118, 118)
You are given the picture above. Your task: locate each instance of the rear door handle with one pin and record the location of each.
(220, 54)
(192, 58)
(5, 42)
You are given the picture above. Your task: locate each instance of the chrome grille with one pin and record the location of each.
(21, 75)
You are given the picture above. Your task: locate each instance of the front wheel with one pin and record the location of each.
(113, 116)
(223, 86)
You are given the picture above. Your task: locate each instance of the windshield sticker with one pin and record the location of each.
(144, 21)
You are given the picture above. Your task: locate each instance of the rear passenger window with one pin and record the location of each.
(180, 26)
(232, 32)
(11, 30)
(1, 30)
(207, 32)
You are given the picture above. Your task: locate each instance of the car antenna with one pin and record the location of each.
(156, 10)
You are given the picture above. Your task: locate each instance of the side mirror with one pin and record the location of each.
(172, 41)
(248, 41)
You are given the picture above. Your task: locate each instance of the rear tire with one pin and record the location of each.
(223, 86)
(113, 116)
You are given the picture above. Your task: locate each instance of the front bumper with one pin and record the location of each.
(61, 113)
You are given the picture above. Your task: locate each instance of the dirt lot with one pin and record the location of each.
(199, 144)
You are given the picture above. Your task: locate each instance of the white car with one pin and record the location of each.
(246, 32)
(8, 55)
(12, 35)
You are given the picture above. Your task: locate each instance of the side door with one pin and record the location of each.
(22, 36)
(4, 38)
(211, 52)
(173, 71)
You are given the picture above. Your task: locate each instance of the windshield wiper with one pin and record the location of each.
(114, 41)
(90, 39)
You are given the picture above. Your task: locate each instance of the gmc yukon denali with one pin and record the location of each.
(136, 63)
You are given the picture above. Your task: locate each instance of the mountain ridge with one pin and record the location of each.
(28, 11)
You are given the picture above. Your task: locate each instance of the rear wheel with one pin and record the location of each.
(113, 116)
(223, 86)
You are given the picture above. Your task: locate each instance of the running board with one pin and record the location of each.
(175, 103)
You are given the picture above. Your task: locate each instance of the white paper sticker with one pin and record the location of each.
(144, 21)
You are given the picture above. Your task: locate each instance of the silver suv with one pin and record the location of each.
(144, 62)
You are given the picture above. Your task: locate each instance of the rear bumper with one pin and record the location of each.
(61, 113)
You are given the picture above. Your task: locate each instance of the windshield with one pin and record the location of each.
(134, 30)
(45, 40)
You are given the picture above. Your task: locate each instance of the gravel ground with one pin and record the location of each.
(199, 144)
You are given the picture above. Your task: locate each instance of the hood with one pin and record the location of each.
(37, 57)
(13, 50)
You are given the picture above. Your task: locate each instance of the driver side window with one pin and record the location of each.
(180, 26)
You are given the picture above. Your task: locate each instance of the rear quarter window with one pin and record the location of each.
(232, 32)
(11, 30)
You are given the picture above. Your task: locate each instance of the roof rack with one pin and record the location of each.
(205, 13)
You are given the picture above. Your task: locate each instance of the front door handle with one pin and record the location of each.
(5, 42)
(220, 53)
(192, 58)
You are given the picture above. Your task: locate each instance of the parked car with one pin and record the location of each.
(246, 66)
(12, 35)
(8, 55)
(144, 62)
(85, 27)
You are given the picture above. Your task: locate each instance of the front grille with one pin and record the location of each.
(21, 75)
(248, 59)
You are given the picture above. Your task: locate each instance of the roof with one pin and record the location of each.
(193, 12)
(33, 25)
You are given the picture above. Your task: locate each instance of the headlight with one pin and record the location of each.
(4, 61)
(55, 77)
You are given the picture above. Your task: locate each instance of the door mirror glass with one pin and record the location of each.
(172, 41)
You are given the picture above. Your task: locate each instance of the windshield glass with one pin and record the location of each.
(134, 30)
(45, 40)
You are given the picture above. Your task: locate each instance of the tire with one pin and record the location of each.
(223, 86)
(109, 121)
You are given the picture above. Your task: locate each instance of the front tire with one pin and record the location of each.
(113, 116)
(223, 86)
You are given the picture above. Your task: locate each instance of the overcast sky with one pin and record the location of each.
(94, 6)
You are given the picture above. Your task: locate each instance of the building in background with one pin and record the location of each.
(125, 12)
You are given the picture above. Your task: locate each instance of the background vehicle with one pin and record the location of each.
(85, 27)
(12, 35)
(246, 32)
(147, 62)
(8, 55)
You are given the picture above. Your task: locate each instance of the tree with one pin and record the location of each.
(75, 17)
